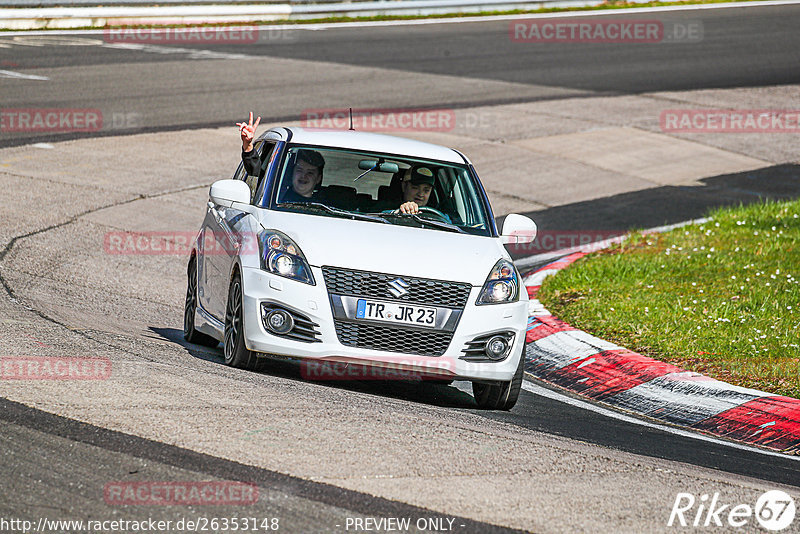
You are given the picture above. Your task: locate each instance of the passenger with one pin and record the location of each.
(247, 130)
(307, 173)
(306, 177)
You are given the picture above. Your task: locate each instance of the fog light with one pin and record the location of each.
(496, 347)
(280, 321)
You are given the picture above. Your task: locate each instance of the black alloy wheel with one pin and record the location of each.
(502, 395)
(190, 334)
(236, 352)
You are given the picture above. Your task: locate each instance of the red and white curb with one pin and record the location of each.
(579, 362)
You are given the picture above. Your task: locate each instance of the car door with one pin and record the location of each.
(230, 233)
(209, 245)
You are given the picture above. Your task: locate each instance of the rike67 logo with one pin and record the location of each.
(774, 511)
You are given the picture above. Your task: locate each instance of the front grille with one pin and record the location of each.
(392, 339)
(376, 285)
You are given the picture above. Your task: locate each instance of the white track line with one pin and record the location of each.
(554, 395)
(21, 76)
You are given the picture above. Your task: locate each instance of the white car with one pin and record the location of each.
(341, 279)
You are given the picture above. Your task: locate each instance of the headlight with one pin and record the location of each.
(502, 284)
(280, 255)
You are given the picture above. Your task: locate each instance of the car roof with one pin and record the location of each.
(366, 141)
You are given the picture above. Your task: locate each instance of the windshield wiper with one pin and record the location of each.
(437, 224)
(335, 211)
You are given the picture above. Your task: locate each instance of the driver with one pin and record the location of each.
(417, 186)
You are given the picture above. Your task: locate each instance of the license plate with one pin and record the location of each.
(392, 312)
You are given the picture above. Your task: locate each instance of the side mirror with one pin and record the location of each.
(518, 229)
(227, 192)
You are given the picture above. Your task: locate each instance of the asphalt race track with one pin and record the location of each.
(323, 454)
(380, 66)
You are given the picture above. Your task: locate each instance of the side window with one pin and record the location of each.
(265, 150)
(239, 174)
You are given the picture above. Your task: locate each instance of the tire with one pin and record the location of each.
(189, 333)
(236, 353)
(502, 395)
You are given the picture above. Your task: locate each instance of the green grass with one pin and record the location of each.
(721, 298)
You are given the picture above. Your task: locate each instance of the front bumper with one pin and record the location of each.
(314, 302)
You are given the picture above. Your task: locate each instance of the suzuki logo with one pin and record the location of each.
(398, 287)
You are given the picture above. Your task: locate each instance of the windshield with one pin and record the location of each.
(372, 187)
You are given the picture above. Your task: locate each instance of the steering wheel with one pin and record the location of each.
(433, 211)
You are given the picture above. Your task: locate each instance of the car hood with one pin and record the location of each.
(389, 248)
